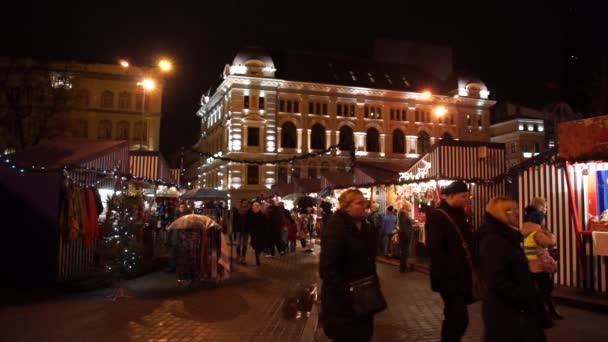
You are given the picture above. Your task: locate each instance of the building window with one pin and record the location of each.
(424, 142)
(372, 143)
(107, 99)
(339, 110)
(140, 131)
(352, 110)
(288, 135)
(398, 141)
(317, 137)
(281, 105)
(124, 100)
(479, 120)
(525, 147)
(366, 112)
(393, 114)
(104, 130)
(417, 116)
(311, 108)
(468, 120)
(318, 108)
(282, 177)
(288, 106)
(253, 136)
(346, 137)
(122, 130)
(296, 106)
(536, 147)
(253, 174)
(246, 102)
(261, 103)
(325, 109)
(513, 147)
(312, 170)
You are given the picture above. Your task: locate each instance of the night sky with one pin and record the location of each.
(519, 49)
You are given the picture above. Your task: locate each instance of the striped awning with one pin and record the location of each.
(150, 164)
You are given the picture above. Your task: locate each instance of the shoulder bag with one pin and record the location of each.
(366, 295)
(477, 286)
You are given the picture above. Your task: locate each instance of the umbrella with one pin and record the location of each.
(292, 197)
(205, 194)
(307, 201)
(193, 221)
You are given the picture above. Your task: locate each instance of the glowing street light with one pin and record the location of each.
(425, 95)
(165, 65)
(147, 84)
(440, 111)
(124, 63)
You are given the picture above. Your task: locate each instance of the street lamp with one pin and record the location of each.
(440, 111)
(145, 84)
(165, 65)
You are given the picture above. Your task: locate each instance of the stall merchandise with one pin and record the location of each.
(201, 250)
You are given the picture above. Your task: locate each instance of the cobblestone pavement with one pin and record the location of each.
(415, 314)
(247, 307)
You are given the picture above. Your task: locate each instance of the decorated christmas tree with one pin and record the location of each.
(120, 248)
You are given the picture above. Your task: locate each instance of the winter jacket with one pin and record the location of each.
(540, 237)
(510, 296)
(450, 273)
(405, 225)
(347, 254)
(258, 226)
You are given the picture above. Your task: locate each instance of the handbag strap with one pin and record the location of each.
(465, 245)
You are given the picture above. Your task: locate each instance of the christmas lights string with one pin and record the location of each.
(343, 146)
(69, 169)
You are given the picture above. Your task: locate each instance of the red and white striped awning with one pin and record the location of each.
(150, 164)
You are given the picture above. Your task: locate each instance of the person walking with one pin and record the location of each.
(348, 252)
(509, 307)
(450, 272)
(406, 228)
(257, 224)
(537, 237)
(241, 230)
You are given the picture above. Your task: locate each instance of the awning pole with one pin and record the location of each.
(575, 217)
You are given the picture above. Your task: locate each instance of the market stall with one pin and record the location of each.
(48, 190)
(573, 179)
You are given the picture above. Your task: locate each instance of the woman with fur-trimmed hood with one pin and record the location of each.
(508, 308)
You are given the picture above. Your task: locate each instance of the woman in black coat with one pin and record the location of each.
(348, 253)
(256, 223)
(508, 306)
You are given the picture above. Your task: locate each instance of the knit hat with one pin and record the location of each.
(535, 216)
(455, 188)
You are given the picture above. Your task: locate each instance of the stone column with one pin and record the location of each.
(299, 140)
(382, 143)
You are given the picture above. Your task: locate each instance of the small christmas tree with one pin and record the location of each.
(120, 249)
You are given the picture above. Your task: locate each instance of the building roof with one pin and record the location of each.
(354, 72)
(59, 153)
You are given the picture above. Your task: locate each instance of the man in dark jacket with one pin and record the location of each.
(450, 273)
(275, 225)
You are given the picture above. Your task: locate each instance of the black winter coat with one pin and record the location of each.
(257, 226)
(508, 306)
(347, 254)
(450, 272)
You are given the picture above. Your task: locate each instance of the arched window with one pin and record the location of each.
(424, 142)
(447, 136)
(312, 170)
(346, 137)
(288, 135)
(295, 171)
(140, 131)
(107, 99)
(104, 130)
(373, 140)
(122, 130)
(124, 100)
(317, 139)
(398, 141)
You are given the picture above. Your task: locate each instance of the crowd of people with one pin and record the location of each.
(507, 266)
(272, 230)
